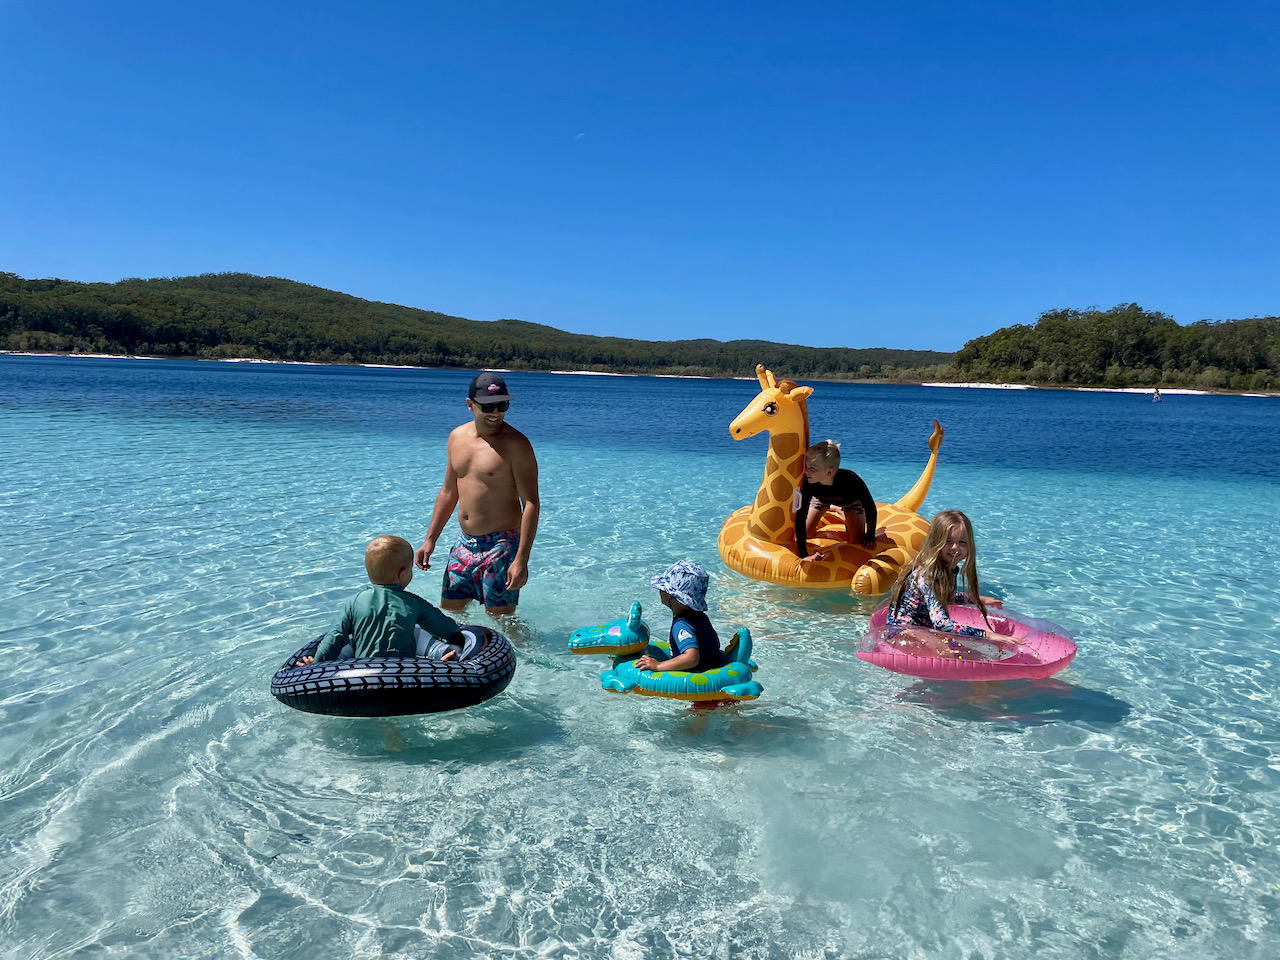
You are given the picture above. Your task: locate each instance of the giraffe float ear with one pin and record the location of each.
(799, 393)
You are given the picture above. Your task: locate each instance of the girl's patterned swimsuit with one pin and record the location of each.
(921, 607)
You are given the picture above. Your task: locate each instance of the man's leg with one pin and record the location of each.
(499, 600)
(459, 587)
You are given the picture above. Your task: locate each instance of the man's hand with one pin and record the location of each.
(517, 574)
(422, 556)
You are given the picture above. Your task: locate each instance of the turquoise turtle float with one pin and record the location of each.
(625, 639)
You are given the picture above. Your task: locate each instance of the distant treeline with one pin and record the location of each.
(1128, 346)
(236, 315)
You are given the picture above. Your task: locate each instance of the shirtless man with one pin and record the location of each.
(492, 478)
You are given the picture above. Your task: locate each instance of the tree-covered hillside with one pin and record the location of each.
(237, 315)
(227, 315)
(1129, 346)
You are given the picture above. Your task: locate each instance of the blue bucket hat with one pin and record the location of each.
(685, 581)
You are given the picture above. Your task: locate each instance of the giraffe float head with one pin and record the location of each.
(779, 408)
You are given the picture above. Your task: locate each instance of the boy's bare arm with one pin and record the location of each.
(855, 525)
(685, 661)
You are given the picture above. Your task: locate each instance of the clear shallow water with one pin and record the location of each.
(173, 530)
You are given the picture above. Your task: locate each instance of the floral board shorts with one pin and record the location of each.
(478, 569)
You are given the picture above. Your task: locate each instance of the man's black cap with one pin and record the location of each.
(488, 388)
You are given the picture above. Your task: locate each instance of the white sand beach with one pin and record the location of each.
(983, 386)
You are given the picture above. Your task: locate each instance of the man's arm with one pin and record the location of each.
(446, 500)
(524, 469)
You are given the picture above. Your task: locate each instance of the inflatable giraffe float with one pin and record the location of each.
(759, 540)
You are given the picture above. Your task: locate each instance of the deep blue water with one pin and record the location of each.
(173, 530)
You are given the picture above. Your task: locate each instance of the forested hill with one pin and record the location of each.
(1128, 346)
(237, 315)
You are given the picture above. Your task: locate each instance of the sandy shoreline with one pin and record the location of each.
(967, 385)
(981, 385)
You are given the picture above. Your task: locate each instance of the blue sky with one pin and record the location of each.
(844, 174)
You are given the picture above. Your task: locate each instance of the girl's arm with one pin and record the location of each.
(962, 597)
(941, 619)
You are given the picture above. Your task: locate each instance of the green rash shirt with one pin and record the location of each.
(381, 621)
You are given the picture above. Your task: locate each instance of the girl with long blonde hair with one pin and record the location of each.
(925, 589)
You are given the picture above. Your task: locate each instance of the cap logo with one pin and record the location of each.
(492, 388)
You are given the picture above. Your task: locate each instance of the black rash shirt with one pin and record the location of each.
(845, 490)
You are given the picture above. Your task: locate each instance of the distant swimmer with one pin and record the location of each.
(1155, 396)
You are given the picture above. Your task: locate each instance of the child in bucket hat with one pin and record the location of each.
(695, 647)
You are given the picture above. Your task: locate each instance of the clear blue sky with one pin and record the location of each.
(847, 174)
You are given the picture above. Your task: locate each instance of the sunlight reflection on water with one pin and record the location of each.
(174, 533)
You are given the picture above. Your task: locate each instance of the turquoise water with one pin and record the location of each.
(174, 530)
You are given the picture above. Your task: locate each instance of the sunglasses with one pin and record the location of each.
(500, 407)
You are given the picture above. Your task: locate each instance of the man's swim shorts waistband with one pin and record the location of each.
(487, 540)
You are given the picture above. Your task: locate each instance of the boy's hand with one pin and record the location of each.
(646, 663)
(308, 661)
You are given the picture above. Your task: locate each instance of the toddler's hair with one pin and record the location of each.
(940, 577)
(385, 557)
(826, 452)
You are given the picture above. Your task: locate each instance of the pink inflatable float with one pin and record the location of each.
(1027, 648)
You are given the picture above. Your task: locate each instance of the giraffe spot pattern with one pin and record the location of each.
(780, 489)
(786, 446)
(774, 518)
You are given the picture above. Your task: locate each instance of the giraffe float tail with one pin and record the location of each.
(914, 497)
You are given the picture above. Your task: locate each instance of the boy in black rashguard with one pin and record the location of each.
(826, 485)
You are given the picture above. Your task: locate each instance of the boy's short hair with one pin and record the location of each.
(384, 558)
(826, 452)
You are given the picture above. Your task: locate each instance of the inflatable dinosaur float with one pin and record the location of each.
(627, 638)
(759, 540)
